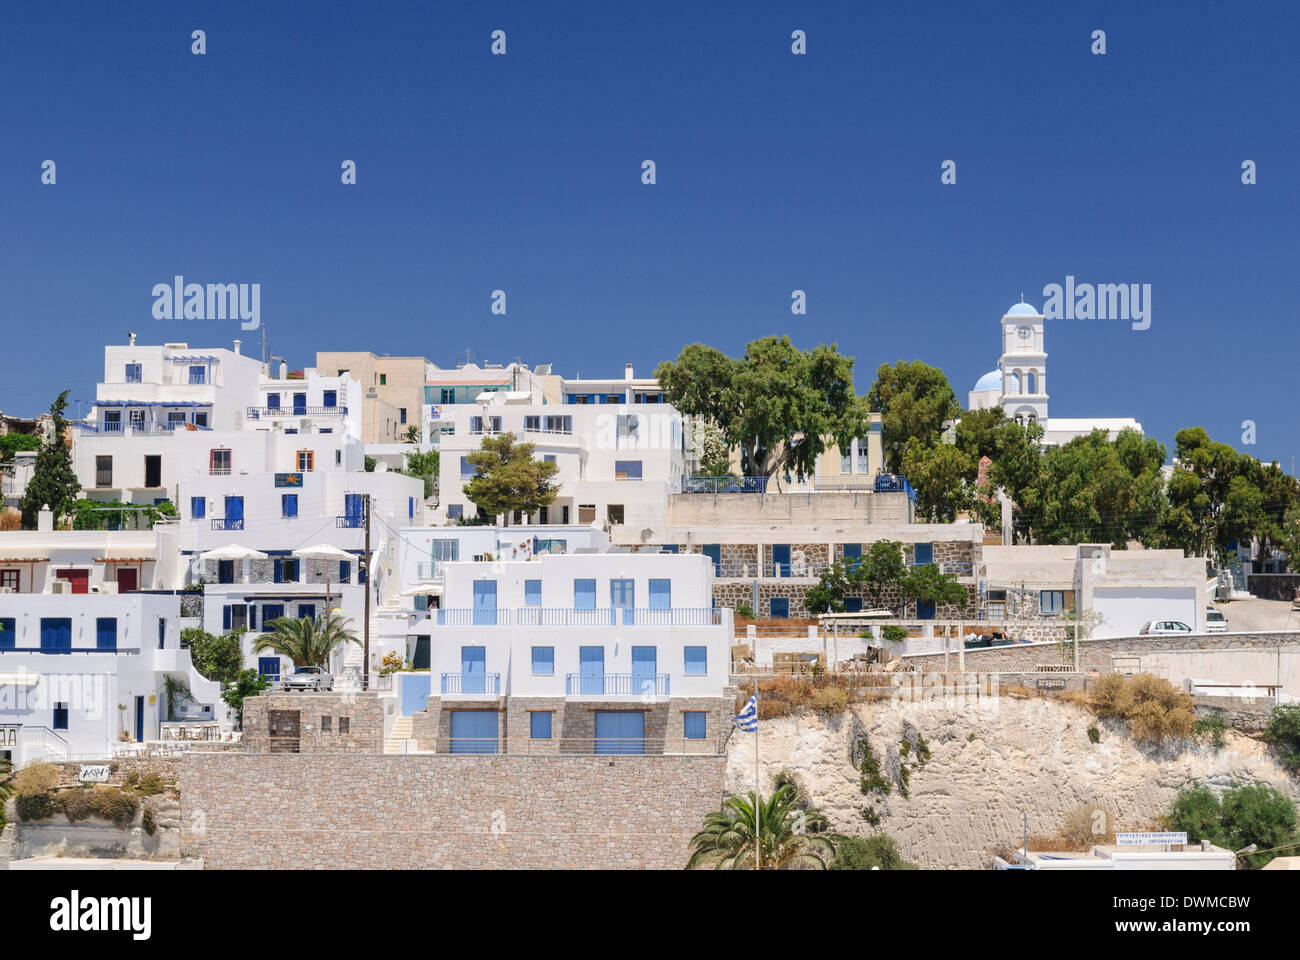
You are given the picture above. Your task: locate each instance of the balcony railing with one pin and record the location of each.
(152, 428)
(470, 617)
(469, 683)
(616, 685)
(351, 521)
(724, 484)
(428, 570)
(257, 413)
(618, 616)
(796, 568)
(227, 523)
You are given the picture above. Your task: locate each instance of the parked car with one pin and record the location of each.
(1215, 621)
(1161, 628)
(308, 678)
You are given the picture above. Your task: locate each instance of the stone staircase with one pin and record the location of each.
(399, 739)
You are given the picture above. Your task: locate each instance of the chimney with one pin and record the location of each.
(284, 370)
(627, 371)
(45, 519)
(237, 345)
(130, 338)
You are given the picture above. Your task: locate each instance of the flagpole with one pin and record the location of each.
(758, 827)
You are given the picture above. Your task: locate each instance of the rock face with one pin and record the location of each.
(990, 764)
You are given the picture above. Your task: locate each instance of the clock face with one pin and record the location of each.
(1024, 333)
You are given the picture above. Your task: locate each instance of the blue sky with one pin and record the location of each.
(775, 172)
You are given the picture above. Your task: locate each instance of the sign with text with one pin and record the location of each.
(93, 773)
(288, 479)
(1144, 839)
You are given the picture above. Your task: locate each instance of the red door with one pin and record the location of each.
(127, 579)
(80, 579)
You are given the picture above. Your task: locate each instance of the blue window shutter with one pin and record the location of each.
(225, 617)
(540, 724)
(544, 660)
(306, 611)
(278, 571)
(694, 724)
(345, 571)
(410, 507)
(252, 616)
(198, 508)
(106, 633)
(661, 594)
(923, 554)
(924, 610)
(779, 606)
(852, 604)
(532, 593)
(697, 661)
(8, 638)
(584, 594)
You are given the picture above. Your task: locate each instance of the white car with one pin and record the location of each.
(308, 678)
(1215, 621)
(1164, 628)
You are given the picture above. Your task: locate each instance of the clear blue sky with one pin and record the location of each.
(775, 172)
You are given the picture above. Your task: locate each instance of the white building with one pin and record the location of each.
(1019, 384)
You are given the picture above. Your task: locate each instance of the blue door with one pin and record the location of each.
(139, 719)
(853, 555)
(56, 634)
(269, 668)
(106, 633)
(299, 404)
(485, 602)
(661, 594)
(622, 596)
(354, 509)
(234, 513)
(779, 607)
(591, 670)
(273, 401)
(330, 398)
(620, 732)
(473, 669)
(781, 559)
(644, 663)
(473, 731)
(714, 552)
(225, 571)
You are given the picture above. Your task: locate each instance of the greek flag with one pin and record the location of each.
(747, 719)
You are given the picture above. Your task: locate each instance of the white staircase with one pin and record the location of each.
(399, 739)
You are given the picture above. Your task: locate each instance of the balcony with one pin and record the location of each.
(614, 616)
(428, 570)
(117, 428)
(796, 568)
(269, 413)
(724, 484)
(471, 684)
(616, 685)
(470, 617)
(227, 523)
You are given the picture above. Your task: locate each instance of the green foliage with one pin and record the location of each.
(780, 405)
(11, 443)
(1094, 735)
(915, 401)
(104, 802)
(926, 584)
(308, 643)
(217, 658)
(1246, 815)
(978, 436)
(744, 610)
(370, 464)
(1284, 729)
(1211, 728)
(872, 782)
(178, 693)
(34, 807)
(149, 785)
(789, 837)
(711, 447)
(424, 466)
(893, 633)
(940, 476)
(879, 852)
(249, 683)
(509, 478)
(54, 481)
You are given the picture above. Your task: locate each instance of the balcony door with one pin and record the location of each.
(591, 671)
(299, 404)
(644, 669)
(485, 602)
(622, 596)
(781, 559)
(473, 669)
(153, 470)
(234, 513)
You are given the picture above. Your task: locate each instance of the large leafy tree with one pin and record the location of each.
(307, 642)
(978, 435)
(789, 836)
(881, 567)
(927, 584)
(509, 477)
(220, 657)
(780, 405)
(915, 401)
(54, 481)
(1198, 491)
(942, 477)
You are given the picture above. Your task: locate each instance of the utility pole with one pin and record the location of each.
(365, 647)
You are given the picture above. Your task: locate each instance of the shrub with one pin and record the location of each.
(1211, 728)
(35, 806)
(148, 823)
(893, 633)
(150, 784)
(1245, 815)
(107, 803)
(1094, 735)
(36, 779)
(744, 610)
(1154, 709)
(1112, 696)
(867, 853)
(1195, 811)
(830, 700)
(11, 520)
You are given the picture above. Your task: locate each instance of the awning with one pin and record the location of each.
(24, 559)
(124, 560)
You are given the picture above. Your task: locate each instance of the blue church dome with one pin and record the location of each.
(1022, 310)
(990, 381)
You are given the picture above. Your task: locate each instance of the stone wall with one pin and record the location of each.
(92, 837)
(327, 722)
(296, 811)
(1273, 586)
(168, 769)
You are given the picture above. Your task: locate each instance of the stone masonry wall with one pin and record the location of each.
(363, 712)
(304, 811)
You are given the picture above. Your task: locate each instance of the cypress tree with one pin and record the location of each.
(54, 481)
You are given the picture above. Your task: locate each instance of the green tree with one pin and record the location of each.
(711, 448)
(1284, 729)
(915, 401)
(1197, 491)
(827, 596)
(509, 478)
(54, 481)
(307, 642)
(879, 569)
(1260, 815)
(248, 683)
(780, 405)
(1195, 811)
(925, 584)
(218, 658)
(869, 853)
(939, 475)
(424, 466)
(978, 433)
(789, 837)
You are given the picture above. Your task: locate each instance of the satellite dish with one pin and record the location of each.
(381, 466)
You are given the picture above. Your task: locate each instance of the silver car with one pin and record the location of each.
(1215, 621)
(1164, 628)
(308, 678)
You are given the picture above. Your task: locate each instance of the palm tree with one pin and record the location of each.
(727, 840)
(307, 642)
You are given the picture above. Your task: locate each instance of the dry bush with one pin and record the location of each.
(10, 520)
(1080, 829)
(1154, 709)
(35, 780)
(1112, 696)
(107, 803)
(830, 700)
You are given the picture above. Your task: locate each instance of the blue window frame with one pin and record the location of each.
(714, 552)
(544, 661)
(299, 404)
(455, 511)
(410, 507)
(852, 604)
(273, 401)
(330, 398)
(56, 634)
(286, 571)
(591, 670)
(539, 725)
(923, 553)
(288, 505)
(401, 413)
(134, 373)
(1051, 601)
(8, 636)
(269, 667)
(631, 469)
(661, 594)
(695, 724)
(925, 609)
(778, 607)
(225, 571)
(271, 611)
(198, 374)
(345, 571)
(532, 593)
(852, 555)
(584, 594)
(781, 559)
(306, 611)
(234, 513)
(697, 661)
(622, 596)
(106, 633)
(60, 720)
(198, 508)
(473, 731)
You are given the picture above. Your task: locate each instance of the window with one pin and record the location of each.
(627, 469)
(544, 661)
(9, 579)
(162, 633)
(234, 616)
(198, 374)
(133, 373)
(852, 604)
(325, 724)
(306, 611)
(923, 553)
(1051, 601)
(225, 571)
(615, 513)
(8, 639)
(456, 511)
(286, 571)
(106, 633)
(330, 400)
(306, 460)
(539, 725)
(661, 593)
(853, 555)
(448, 395)
(273, 401)
(559, 424)
(533, 423)
(103, 471)
(56, 634)
(401, 414)
(383, 379)
(200, 419)
(532, 593)
(153, 470)
(219, 463)
(345, 724)
(270, 613)
(925, 609)
(778, 607)
(345, 571)
(694, 724)
(584, 594)
(288, 505)
(60, 721)
(697, 661)
(543, 516)
(467, 471)
(548, 458)
(410, 507)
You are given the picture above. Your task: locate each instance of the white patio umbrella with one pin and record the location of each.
(324, 552)
(234, 552)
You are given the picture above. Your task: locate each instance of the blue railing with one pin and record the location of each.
(724, 484)
(616, 684)
(471, 617)
(227, 523)
(60, 650)
(618, 616)
(256, 413)
(799, 568)
(893, 483)
(349, 522)
(465, 683)
(119, 428)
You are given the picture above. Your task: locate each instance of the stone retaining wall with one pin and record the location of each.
(284, 811)
(168, 769)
